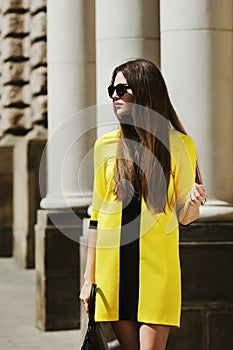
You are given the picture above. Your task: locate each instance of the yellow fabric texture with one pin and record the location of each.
(159, 264)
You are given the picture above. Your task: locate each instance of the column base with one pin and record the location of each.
(6, 195)
(27, 196)
(216, 211)
(57, 270)
(66, 200)
(206, 251)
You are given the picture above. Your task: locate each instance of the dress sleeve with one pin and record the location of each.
(185, 173)
(99, 188)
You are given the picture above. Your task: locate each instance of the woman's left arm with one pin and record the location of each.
(190, 211)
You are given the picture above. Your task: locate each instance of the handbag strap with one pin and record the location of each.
(92, 302)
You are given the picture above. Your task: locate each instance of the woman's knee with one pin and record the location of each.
(153, 337)
(127, 333)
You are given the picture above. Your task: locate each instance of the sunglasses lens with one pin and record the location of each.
(111, 90)
(120, 89)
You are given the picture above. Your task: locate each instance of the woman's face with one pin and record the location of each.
(122, 104)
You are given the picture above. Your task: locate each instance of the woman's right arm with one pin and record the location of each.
(99, 190)
(89, 274)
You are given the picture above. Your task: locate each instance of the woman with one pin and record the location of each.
(146, 181)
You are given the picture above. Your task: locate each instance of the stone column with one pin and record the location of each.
(197, 63)
(71, 135)
(124, 30)
(68, 142)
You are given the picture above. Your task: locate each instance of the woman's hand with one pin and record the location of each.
(85, 295)
(198, 195)
(190, 211)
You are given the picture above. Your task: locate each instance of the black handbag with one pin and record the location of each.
(94, 337)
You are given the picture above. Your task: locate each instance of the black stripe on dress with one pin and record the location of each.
(129, 260)
(93, 224)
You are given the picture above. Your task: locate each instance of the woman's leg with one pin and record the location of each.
(127, 333)
(153, 337)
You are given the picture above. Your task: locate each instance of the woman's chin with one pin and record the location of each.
(119, 113)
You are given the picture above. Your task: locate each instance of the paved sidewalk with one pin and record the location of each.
(17, 314)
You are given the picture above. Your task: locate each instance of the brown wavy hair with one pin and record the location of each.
(143, 159)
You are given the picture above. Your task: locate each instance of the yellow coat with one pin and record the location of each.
(159, 280)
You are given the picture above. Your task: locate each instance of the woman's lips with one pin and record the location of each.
(117, 105)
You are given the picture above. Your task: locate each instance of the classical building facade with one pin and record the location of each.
(23, 122)
(46, 151)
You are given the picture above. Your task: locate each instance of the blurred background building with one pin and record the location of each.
(46, 187)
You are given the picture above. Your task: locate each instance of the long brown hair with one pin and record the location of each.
(144, 137)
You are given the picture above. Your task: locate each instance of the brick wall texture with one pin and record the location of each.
(23, 65)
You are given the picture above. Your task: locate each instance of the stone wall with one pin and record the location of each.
(23, 66)
(38, 62)
(23, 121)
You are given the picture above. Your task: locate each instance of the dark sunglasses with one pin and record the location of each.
(120, 89)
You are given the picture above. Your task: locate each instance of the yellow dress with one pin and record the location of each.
(140, 279)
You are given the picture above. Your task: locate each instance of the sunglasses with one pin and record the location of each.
(120, 89)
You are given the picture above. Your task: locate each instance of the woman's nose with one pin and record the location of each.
(115, 96)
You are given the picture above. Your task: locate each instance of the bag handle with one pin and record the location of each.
(91, 304)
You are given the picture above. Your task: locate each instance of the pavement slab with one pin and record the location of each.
(17, 314)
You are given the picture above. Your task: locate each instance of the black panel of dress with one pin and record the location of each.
(129, 259)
